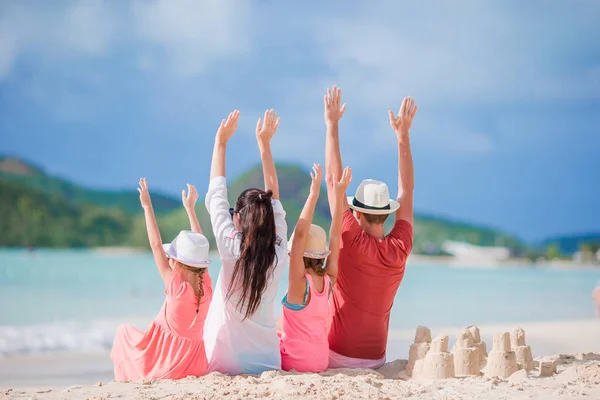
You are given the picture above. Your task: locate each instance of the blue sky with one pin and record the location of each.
(507, 134)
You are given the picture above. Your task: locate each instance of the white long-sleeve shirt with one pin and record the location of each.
(234, 345)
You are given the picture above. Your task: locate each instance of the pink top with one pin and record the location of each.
(303, 342)
(170, 348)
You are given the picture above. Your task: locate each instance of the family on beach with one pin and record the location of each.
(337, 307)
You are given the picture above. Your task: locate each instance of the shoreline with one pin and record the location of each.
(59, 370)
(418, 260)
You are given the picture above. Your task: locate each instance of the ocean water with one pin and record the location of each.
(73, 300)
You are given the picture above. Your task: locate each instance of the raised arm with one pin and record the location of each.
(224, 133)
(333, 158)
(297, 270)
(216, 196)
(189, 203)
(265, 129)
(162, 263)
(406, 176)
(335, 232)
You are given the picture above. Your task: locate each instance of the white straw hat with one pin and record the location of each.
(316, 243)
(373, 197)
(189, 248)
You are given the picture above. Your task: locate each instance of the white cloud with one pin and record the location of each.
(189, 34)
(7, 53)
(455, 55)
(89, 28)
(83, 28)
(481, 52)
(445, 54)
(193, 33)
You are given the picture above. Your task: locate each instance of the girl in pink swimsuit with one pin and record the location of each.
(303, 340)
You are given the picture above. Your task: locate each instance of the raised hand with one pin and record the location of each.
(265, 128)
(403, 121)
(341, 186)
(189, 199)
(227, 127)
(144, 193)
(332, 101)
(316, 177)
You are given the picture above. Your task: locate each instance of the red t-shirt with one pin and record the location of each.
(370, 272)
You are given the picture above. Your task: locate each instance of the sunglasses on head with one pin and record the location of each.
(231, 212)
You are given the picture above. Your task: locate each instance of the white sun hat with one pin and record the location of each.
(189, 248)
(373, 197)
(316, 243)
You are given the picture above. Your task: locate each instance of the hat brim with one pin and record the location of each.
(190, 263)
(394, 206)
(319, 255)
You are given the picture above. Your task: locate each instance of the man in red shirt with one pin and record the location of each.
(371, 264)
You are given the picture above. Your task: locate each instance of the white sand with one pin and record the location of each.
(578, 375)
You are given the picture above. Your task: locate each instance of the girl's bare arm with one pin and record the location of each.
(160, 258)
(339, 187)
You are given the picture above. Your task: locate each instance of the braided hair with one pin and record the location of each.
(316, 264)
(199, 289)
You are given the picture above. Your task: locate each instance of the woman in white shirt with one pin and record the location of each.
(239, 333)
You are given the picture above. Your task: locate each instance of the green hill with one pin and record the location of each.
(18, 171)
(40, 210)
(31, 217)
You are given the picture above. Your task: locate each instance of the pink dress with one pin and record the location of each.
(170, 348)
(303, 342)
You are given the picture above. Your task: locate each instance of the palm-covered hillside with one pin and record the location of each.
(41, 210)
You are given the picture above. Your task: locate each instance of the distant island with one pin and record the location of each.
(38, 210)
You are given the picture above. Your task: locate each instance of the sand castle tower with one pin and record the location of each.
(522, 351)
(466, 355)
(477, 342)
(502, 362)
(419, 348)
(438, 362)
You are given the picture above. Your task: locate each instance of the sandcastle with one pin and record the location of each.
(419, 348)
(501, 362)
(522, 351)
(477, 342)
(466, 354)
(438, 362)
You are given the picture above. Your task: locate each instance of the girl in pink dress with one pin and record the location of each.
(172, 347)
(303, 340)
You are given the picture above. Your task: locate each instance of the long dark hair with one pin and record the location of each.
(257, 249)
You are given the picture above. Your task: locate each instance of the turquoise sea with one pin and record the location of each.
(73, 300)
